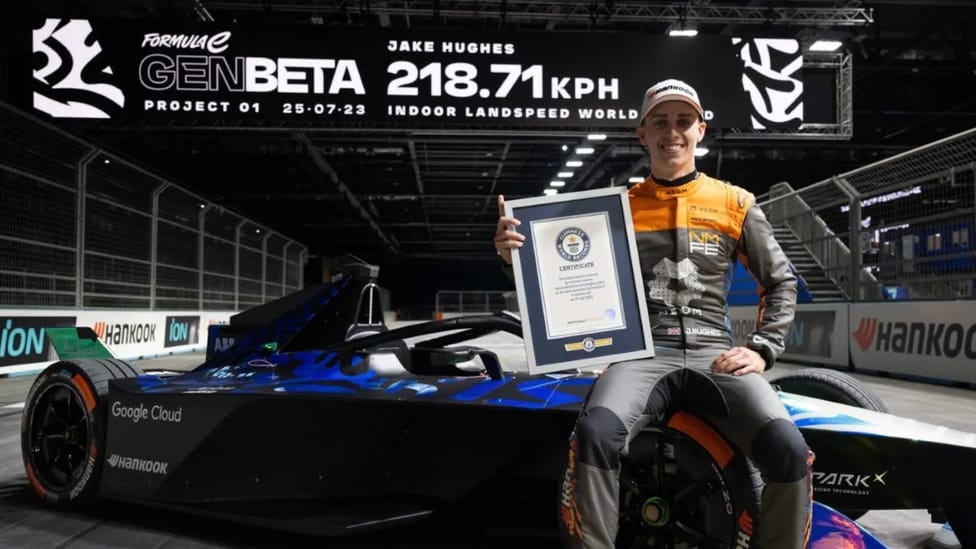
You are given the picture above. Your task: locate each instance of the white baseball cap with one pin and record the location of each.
(670, 90)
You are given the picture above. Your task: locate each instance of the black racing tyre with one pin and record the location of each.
(683, 485)
(62, 430)
(830, 385)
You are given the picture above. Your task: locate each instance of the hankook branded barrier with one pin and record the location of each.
(24, 347)
(933, 339)
(930, 339)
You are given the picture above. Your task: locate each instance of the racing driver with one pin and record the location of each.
(690, 228)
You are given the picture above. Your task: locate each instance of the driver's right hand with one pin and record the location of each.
(506, 239)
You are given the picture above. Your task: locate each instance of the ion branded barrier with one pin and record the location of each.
(24, 346)
(819, 332)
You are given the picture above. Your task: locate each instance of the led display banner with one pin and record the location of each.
(148, 73)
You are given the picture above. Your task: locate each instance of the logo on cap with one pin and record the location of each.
(672, 87)
(668, 90)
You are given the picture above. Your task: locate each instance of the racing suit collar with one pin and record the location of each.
(676, 182)
(671, 189)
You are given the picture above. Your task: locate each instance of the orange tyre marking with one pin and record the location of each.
(85, 391)
(35, 484)
(710, 440)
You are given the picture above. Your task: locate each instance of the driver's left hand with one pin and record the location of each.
(739, 361)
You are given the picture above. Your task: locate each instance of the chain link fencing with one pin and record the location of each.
(459, 302)
(83, 228)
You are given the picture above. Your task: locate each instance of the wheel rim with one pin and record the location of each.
(666, 506)
(60, 435)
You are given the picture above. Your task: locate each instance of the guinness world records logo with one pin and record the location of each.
(573, 244)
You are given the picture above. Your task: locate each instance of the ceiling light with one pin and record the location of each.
(557, 183)
(550, 192)
(635, 179)
(574, 164)
(596, 136)
(564, 174)
(584, 150)
(701, 151)
(565, 147)
(826, 45)
(683, 32)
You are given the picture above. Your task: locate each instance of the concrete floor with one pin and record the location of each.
(24, 523)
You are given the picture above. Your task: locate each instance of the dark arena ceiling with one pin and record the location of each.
(402, 192)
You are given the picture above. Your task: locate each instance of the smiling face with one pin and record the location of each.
(670, 132)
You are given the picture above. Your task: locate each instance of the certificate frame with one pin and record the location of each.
(574, 322)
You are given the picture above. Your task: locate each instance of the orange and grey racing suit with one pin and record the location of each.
(689, 232)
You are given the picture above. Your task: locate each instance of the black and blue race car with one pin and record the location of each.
(310, 415)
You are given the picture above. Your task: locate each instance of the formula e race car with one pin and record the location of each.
(310, 415)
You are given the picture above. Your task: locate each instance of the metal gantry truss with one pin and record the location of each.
(841, 130)
(574, 11)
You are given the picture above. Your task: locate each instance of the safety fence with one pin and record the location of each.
(449, 303)
(901, 228)
(81, 227)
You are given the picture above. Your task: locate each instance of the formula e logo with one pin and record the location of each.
(865, 333)
(73, 78)
(573, 244)
(135, 464)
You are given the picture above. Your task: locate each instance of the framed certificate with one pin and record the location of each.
(578, 281)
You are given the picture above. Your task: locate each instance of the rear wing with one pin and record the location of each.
(72, 343)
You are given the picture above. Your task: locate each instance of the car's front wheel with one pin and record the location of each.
(63, 428)
(683, 485)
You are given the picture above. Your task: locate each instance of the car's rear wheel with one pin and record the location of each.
(830, 385)
(683, 485)
(63, 428)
